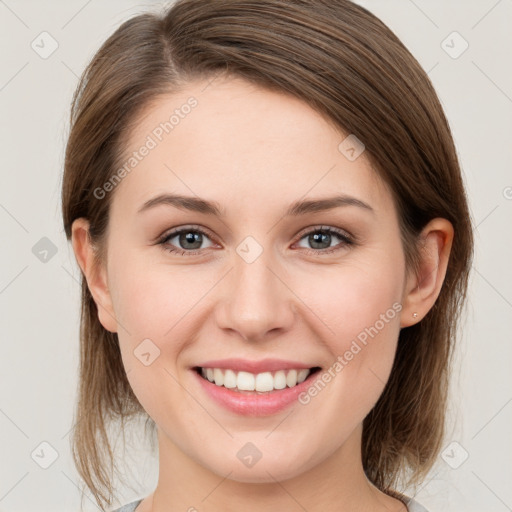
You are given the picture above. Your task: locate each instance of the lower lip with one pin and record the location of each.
(253, 404)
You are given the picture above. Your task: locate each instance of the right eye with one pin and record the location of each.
(185, 237)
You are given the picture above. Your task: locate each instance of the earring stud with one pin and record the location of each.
(415, 315)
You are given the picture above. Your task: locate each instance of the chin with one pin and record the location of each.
(261, 474)
(267, 469)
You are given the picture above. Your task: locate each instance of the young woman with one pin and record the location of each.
(296, 355)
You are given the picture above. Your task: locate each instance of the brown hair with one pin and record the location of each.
(346, 64)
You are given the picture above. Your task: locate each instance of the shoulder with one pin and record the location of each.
(414, 506)
(130, 507)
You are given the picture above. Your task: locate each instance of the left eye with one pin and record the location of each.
(190, 240)
(323, 235)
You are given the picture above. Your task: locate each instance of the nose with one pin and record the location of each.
(258, 303)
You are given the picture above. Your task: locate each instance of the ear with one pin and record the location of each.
(421, 291)
(95, 274)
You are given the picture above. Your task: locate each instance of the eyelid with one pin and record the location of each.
(323, 227)
(186, 227)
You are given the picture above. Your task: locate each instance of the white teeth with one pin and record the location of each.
(245, 381)
(229, 379)
(261, 382)
(218, 377)
(301, 376)
(280, 380)
(291, 378)
(264, 382)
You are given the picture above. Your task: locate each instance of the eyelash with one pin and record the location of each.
(347, 240)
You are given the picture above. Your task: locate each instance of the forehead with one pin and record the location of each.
(238, 144)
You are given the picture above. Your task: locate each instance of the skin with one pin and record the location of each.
(255, 152)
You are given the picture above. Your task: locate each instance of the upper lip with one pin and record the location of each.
(246, 365)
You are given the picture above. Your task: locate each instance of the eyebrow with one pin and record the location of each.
(296, 209)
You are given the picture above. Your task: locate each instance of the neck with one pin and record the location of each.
(337, 484)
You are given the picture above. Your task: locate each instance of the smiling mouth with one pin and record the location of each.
(261, 383)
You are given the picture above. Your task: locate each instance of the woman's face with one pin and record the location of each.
(261, 284)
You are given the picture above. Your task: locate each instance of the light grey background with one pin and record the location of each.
(39, 300)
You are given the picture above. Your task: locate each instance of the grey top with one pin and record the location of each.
(412, 505)
(128, 508)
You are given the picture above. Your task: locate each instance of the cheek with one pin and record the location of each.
(366, 328)
(150, 300)
(361, 305)
(354, 301)
(156, 307)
